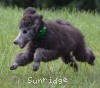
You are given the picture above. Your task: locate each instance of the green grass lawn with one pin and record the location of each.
(86, 77)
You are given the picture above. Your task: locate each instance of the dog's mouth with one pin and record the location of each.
(23, 44)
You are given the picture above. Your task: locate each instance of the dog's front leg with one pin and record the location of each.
(43, 55)
(22, 59)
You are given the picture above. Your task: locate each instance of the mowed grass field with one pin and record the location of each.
(54, 72)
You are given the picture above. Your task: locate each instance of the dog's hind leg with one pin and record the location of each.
(83, 54)
(68, 59)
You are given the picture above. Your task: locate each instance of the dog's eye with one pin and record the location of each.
(24, 31)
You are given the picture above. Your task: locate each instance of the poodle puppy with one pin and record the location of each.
(49, 40)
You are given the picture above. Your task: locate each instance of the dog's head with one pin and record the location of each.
(28, 27)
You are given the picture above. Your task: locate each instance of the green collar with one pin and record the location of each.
(41, 34)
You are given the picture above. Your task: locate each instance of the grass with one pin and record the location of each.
(87, 77)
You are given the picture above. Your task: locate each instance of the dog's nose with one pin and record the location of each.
(15, 42)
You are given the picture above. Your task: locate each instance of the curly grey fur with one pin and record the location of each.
(61, 40)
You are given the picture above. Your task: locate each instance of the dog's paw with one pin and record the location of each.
(35, 68)
(75, 66)
(13, 67)
(92, 61)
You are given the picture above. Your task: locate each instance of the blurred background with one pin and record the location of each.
(87, 5)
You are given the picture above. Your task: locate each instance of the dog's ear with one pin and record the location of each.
(29, 10)
(37, 16)
(38, 22)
